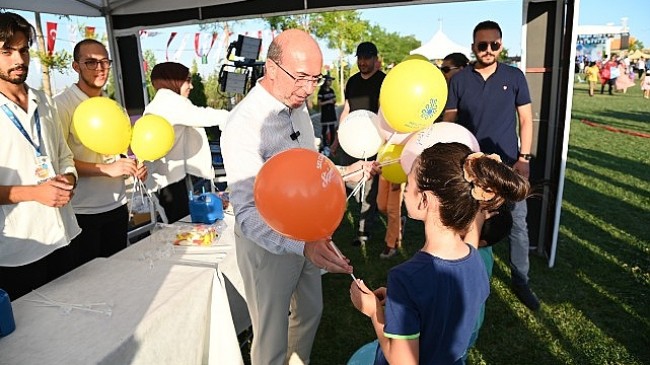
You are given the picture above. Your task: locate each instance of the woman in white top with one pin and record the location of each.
(190, 154)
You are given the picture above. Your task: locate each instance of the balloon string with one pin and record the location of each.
(391, 137)
(385, 163)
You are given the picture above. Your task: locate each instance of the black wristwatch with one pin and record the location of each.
(526, 156)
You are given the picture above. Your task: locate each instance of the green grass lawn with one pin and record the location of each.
(595, 301)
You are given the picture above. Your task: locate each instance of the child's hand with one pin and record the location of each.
(363, 299)
(380, 293)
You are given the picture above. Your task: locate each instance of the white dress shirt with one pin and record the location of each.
(259, 127)
(30, 230)
(191, 151)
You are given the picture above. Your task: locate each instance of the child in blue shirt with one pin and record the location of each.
(432, 301)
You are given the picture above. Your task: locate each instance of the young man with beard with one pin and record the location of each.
(487, 98)
(100, 200)
(37, 173)
(362, 92)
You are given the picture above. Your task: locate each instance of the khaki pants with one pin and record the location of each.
(285, 302)
(389, 202)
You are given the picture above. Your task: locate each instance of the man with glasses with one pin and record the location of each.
(362, 92)
(281, 276)
(100, 199)
(37, 173)
(487, 98)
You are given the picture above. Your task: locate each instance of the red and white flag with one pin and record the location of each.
(51, 37)
(171, 38)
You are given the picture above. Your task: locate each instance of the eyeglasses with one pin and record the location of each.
(446, 69)
(92, 64)
(483, 46)
(303, 81)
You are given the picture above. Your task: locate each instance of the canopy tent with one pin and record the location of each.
(548, 37)
(439, 46)
(638, 54)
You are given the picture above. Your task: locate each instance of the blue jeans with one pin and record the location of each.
(519, 244)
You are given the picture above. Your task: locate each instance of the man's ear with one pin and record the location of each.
(75, 66)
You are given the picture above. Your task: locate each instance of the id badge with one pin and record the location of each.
(44, 169)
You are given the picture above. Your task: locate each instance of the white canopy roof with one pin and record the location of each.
(440, 46)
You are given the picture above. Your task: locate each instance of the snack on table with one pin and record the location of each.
(196, 235)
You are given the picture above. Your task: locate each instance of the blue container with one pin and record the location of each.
(206, 208)
(7, 324)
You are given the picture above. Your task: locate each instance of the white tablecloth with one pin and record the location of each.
(168, 307)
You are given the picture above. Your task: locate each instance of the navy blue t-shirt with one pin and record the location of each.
(487, 108)
(437, 301)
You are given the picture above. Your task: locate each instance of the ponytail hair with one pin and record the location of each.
(464, 181)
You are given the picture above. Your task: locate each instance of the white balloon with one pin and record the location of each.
(441, 132)
(390, 135)
(359, 134)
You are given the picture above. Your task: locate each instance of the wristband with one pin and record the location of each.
(526, 156)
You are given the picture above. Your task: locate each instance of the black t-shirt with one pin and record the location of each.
(327, 111)
(364, 93)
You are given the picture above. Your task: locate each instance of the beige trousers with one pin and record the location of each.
(285, 302)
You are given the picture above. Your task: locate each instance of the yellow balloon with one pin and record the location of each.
(392, 172)
(153, 137)
(102, 125)
(415, 57)
(413, 95)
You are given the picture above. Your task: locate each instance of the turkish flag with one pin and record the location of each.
(51, 37)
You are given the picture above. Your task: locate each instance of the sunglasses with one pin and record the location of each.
(483, 46)
(446, 69)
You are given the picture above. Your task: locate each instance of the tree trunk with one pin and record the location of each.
(40, 47)
(342, 81)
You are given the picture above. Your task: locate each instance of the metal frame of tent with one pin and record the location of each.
(548, 41)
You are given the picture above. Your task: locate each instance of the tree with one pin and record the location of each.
(392, 46)
(149, 62)
(343, 31)
(635, 44)
(197, 94)
(59, 61)
(281, 23)
(503, 56)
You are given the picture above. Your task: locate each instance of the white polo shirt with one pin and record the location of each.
(94, 194)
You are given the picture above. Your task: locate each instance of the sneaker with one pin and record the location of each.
(388, 253)
(526, 296)
(360, 241)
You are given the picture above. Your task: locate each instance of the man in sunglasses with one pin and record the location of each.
(100, 200)
(487, 98)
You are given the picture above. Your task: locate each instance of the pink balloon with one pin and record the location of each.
(441, 132)
(389, 134)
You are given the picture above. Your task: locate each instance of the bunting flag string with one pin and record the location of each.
(181, 48)
(73, 31)
(171, 38)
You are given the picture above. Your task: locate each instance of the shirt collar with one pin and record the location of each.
(270, 102)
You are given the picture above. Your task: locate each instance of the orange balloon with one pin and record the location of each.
(300, 194)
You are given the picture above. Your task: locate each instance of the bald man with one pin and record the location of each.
(281, 276)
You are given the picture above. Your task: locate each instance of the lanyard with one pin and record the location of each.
(22, 130)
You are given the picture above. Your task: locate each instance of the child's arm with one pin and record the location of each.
(396, 351)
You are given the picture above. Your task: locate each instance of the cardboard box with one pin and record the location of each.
(138, 219)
